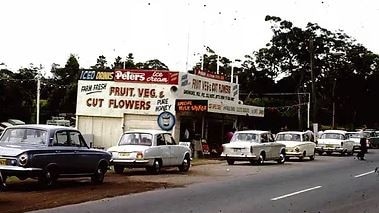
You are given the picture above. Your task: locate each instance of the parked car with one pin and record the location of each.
(356, 138)
(255, 146)
(298, 144)
(374, 142)
(49, 152)
(150, 149)
(371, 139)
(334, 141)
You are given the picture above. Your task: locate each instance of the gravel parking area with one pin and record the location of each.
(27, 195)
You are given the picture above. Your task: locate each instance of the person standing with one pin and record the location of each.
(230, 134)
(363, 150)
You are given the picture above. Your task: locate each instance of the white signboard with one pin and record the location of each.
(228, 107)
(108, 98)
(198, 87)
(222, 96)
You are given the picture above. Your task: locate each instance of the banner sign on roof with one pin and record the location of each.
(146, 76)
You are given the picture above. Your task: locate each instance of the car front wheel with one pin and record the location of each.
(49, 177)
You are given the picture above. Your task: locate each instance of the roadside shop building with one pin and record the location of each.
(189, 105)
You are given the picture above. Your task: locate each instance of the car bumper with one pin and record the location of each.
(17, 171)
(330, 149)
(132, 162)
(241, 157)
(294, 154)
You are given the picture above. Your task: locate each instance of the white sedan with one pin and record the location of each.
(150, 149)
(298, 144)
(334, 141)
(254, 146)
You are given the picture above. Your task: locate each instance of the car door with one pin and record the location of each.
(266, 145)
(65, 154)
(163, 150)
(175, 151)
(85, 159)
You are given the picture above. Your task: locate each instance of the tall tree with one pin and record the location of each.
(66, 83)
(101, 63)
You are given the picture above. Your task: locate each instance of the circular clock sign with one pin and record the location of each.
(166, 120)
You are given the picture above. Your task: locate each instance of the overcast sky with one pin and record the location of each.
(173, 31)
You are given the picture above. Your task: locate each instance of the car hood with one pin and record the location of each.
(329, 141)
(14, 149)
(292, 143)
(128, 148)
(240, 144)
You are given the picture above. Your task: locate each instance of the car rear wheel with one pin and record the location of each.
(282, 158)
(118, 169)
(98, 177)
(156, 168)
(260, 160)
(312, 157)
(184, 167)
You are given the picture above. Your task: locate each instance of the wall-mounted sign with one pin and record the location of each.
(209, 75)
(96, 75)
(166, 120)
(191, 105)
(146, 76)
(107, 98)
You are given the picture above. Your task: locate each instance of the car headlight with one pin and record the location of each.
(297, 149)
(23, 159)
(139, 155)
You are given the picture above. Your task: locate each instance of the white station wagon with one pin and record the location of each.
(298, 144)
(150, 149)
(335, 141)
(254, 146)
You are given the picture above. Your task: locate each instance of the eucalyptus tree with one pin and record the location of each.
(153, 64)
(101, 63)
(319, 61)
(62, 97)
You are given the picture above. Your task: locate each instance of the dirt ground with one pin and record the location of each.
(21, 196)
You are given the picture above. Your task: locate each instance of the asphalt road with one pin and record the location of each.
(328, 184)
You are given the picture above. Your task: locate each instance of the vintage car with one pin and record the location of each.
(355, 137)
(255, 146)
(49, 152)
(150, 149)
(335, 141)
(298, 144)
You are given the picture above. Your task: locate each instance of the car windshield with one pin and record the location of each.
(354, 135)
(135, 138)
(332, 136)
(24, 136)
(288, 137)
(244, 137)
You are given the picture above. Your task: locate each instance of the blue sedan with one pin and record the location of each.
(47, 152)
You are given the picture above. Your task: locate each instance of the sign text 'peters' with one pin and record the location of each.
(146, 76)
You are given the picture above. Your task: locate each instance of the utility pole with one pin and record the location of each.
(311, 52)
(38, 94)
